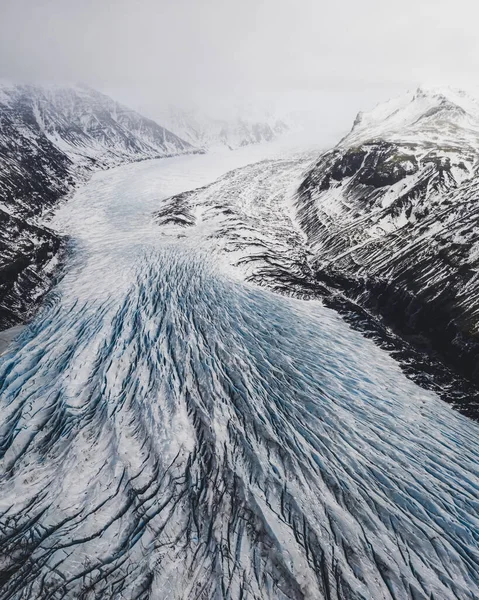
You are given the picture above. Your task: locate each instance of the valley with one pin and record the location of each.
(173, 431)
(227, 386)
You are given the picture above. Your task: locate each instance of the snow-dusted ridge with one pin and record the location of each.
(52, 137)
(440, 116)
(391, 216)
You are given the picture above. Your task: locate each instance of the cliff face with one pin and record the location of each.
(391, 216)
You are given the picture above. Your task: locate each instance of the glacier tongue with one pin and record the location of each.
(169, 431)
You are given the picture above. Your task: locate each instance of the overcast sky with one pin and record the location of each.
(346, 55)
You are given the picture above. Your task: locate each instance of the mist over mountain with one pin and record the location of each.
(239, 300)
(209, 133)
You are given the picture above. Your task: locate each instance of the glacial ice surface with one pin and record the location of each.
(171, 432)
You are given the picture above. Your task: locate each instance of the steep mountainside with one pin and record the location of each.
(391, 217)
(204, 132)
(170, 432)
(50, 138)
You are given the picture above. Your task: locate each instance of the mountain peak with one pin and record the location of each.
(443, 116)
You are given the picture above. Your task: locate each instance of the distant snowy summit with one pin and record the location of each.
(209, 133)
(440, 116)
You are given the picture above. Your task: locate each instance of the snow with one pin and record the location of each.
(168, 425)
(439, 128)
(410, 118)
(210, 133)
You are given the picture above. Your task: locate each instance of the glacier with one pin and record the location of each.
(171, 430)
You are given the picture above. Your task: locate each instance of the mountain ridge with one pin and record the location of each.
(400, 118)
(52, 138)
(213, 133)
(391, 218)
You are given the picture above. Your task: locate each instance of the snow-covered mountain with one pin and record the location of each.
(427, 115)
(391, 216)
(205, 132)
(51, 138)
(383, 225)
(50, 135)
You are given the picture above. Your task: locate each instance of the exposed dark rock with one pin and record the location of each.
(50, 139)
(29, 258)
(406, 254)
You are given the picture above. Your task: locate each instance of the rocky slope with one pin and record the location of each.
(392, 220)
(51, 138)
